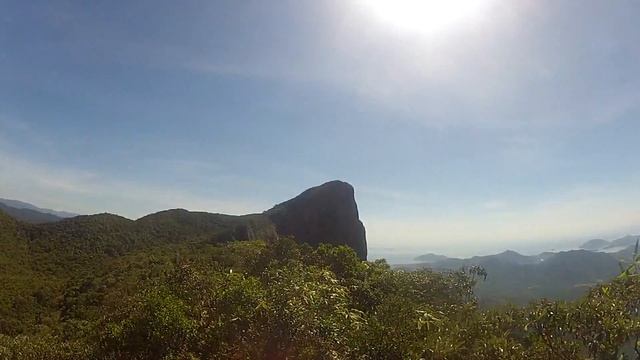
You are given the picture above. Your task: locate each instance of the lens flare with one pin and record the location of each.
(427, 17)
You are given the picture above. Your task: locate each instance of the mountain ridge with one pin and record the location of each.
(25, 205)
(322, 214)
(520, 278)
(29, 215)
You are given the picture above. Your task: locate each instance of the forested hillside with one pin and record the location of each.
(191, 285)
(28, 215)
(279, 300)
(105, 287)
(518, 279)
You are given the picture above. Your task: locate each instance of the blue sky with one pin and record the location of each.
(518, 129)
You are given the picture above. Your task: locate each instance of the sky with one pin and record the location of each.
(465, 129)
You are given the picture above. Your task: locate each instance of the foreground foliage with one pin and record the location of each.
(280, 300)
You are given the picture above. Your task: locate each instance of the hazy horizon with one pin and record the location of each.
(502, 125)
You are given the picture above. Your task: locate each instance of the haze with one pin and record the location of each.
(509, 124)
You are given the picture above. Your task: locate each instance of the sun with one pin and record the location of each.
(427, 17)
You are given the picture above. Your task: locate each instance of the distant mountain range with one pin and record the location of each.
(53, 269)
(30, 213)
(323, 214)
(611, 246)
(328, 213)
(517, 278)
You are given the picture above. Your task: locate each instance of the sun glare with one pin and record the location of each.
(427, 17)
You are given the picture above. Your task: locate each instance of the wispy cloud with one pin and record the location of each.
(88, 192)
(514, 70)
(578, 214)
(504, 100)
(495, 205)
(12, 124)
(12, 128)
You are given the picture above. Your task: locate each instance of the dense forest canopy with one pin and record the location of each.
(147, 298)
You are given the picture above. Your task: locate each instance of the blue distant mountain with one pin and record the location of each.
(23, 205)
(30, 213)
(611, 246)
(517, 278)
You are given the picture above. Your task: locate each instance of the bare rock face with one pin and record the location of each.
(323, 214)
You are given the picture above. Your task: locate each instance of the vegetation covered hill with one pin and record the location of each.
(185, 285)
(16, 204)
(595, 244)
(518, 279)
(29, 215)
(40, 263)
(281, 300)
(611, 246)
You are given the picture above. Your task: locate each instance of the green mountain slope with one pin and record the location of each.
(29, 215)
(44, 266)
(185, 285)
(518, 279)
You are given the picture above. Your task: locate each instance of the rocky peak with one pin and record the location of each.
(323, 214)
